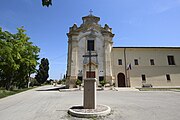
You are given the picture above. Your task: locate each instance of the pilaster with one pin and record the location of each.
(107, 56)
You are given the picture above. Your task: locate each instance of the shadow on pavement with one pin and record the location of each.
(53, 88)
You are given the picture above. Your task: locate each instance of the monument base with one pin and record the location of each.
(90, 93)
(89, 108)
(81, 112)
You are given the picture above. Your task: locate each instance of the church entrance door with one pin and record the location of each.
(90, 74)
(121, 80)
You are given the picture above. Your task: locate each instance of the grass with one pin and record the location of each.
(5, 93)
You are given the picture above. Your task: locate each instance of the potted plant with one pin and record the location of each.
(112, 86)
(103, 83)
(78, 83)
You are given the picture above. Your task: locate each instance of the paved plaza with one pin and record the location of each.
(126, 105)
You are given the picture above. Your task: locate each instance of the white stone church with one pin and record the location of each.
(121, 66)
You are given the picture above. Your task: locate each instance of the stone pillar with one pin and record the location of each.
(90, 93)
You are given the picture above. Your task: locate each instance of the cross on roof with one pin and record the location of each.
(90, 11)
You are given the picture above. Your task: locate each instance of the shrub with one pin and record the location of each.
(78, 82)
(103, 82)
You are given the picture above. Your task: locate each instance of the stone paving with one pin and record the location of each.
(125, 105)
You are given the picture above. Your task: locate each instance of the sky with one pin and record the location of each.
(137, 23)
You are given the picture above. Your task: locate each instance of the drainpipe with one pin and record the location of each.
(125, 62)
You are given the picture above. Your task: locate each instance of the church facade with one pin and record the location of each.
(121, 66)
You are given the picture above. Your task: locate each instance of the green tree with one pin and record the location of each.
(46, 2)
(18, 58)
(42, 73)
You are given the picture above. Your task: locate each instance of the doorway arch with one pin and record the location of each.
(121, 80)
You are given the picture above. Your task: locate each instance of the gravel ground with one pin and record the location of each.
(125, 105)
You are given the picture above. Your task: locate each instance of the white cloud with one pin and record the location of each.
(164, 6)
(29, 2)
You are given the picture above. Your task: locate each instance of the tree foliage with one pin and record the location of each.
(42, 73)
(18, 58)
(46, 2)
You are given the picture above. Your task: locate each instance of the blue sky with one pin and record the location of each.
(134, 23)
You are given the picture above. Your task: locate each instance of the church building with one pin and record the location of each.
(121, 66)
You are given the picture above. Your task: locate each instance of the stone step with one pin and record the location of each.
(125, 89)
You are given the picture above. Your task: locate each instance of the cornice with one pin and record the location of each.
(108, 33)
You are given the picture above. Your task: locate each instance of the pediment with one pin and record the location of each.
(90, 27)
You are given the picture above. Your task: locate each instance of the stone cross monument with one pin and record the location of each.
(90, 87)
(89, 56)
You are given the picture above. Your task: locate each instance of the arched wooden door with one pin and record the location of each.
(121, 80)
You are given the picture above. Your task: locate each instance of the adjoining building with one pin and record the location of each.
(137, 66)
(122, 66)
